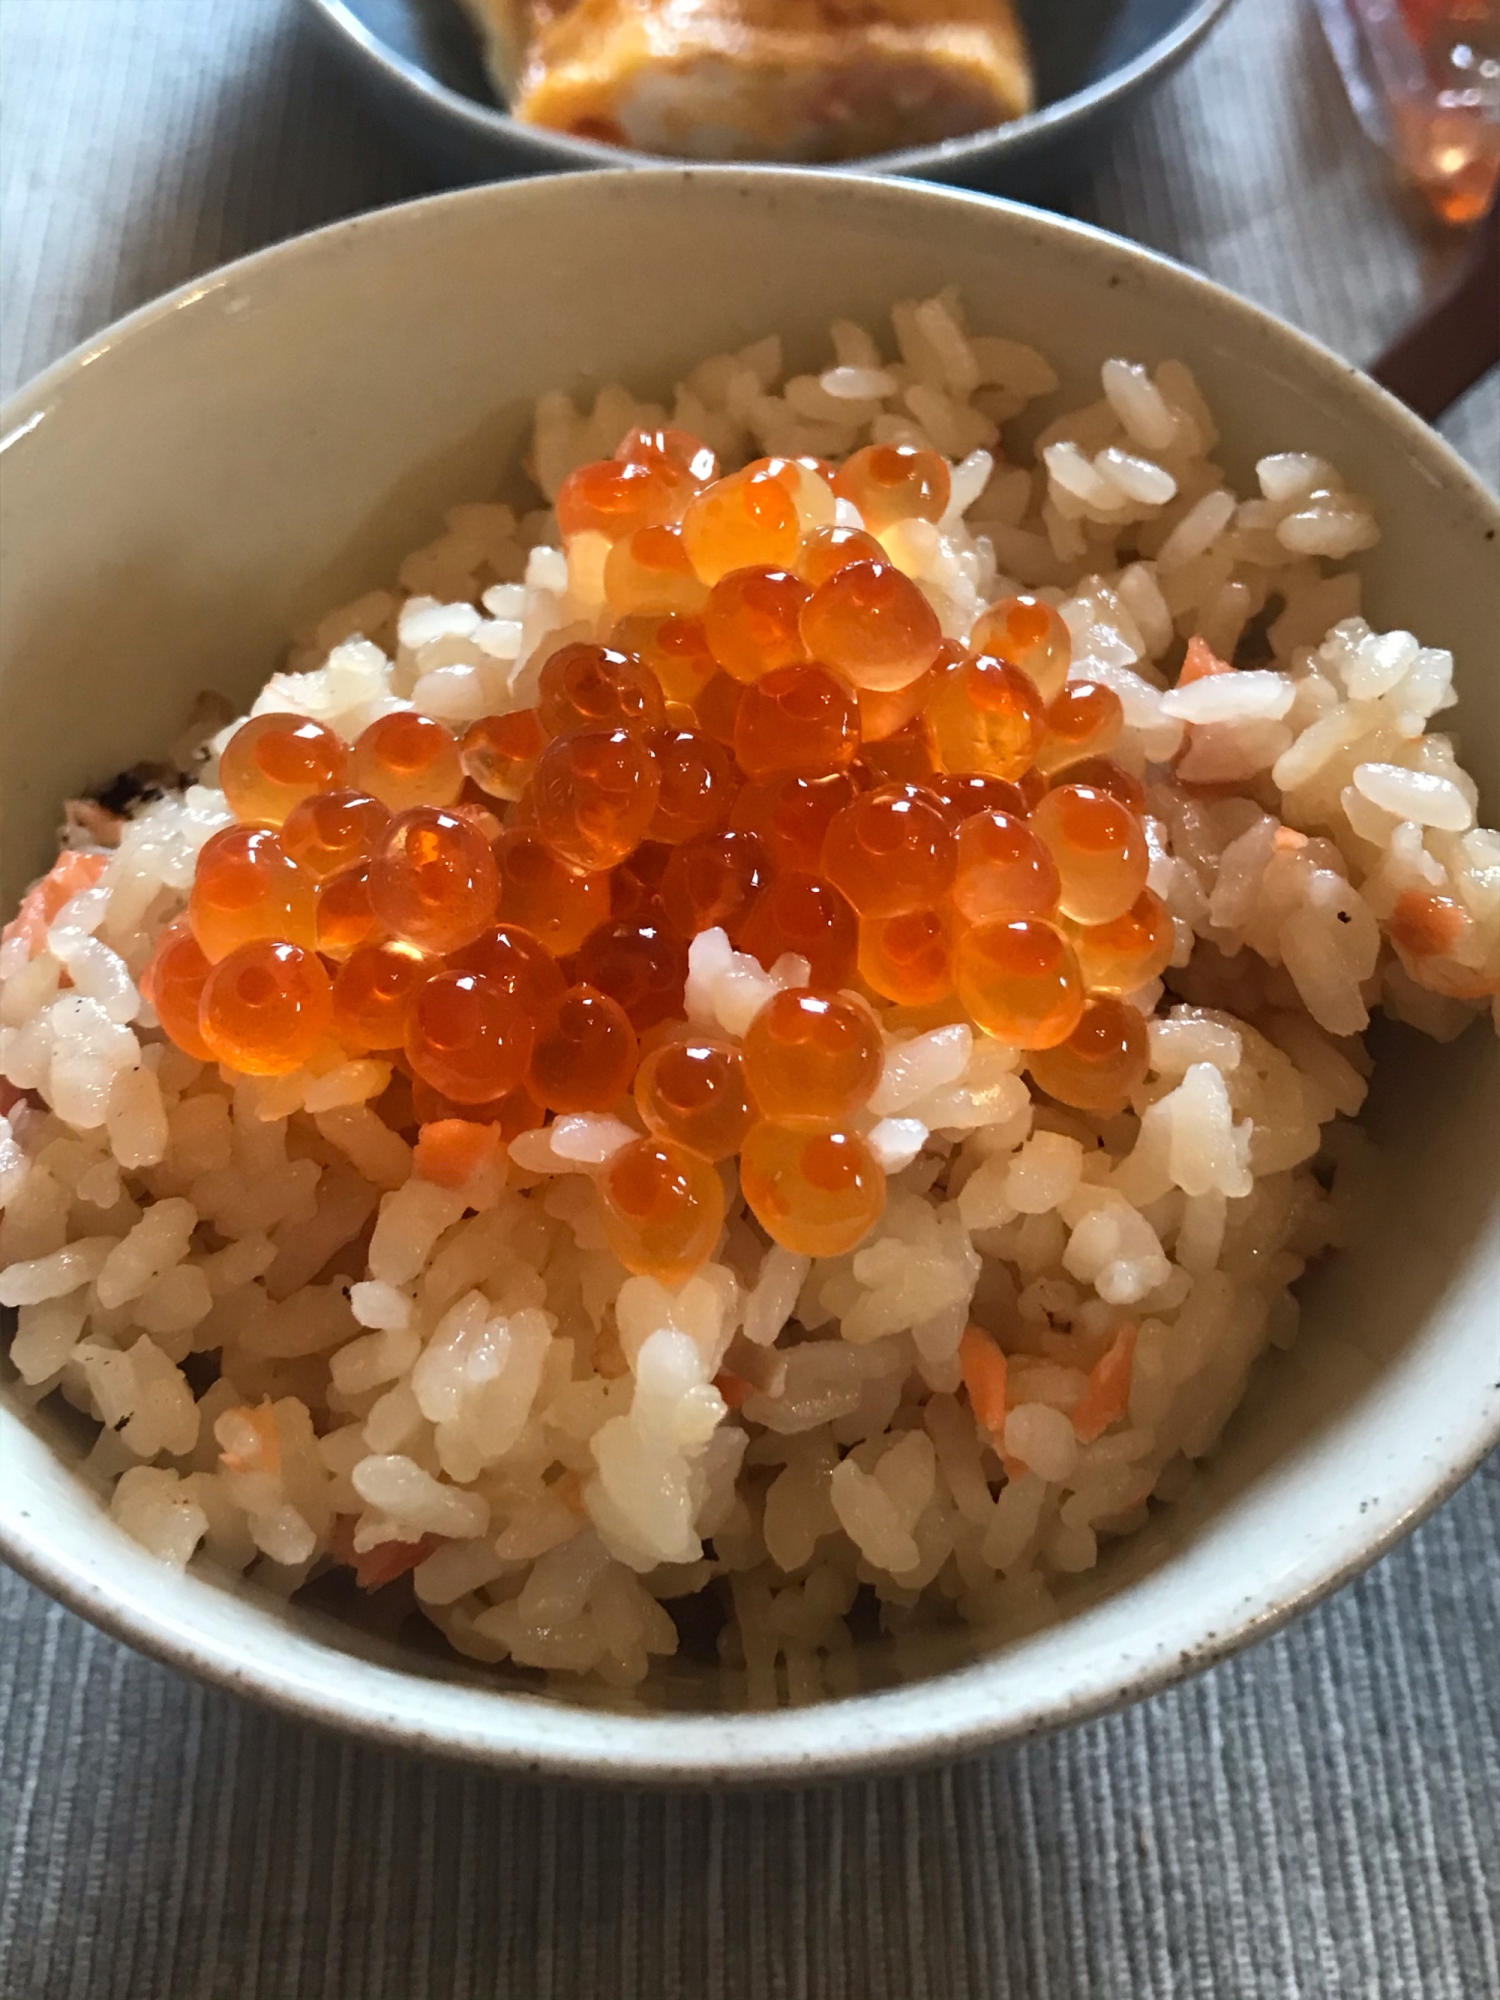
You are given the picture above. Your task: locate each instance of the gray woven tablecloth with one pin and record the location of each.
(1320, 1818)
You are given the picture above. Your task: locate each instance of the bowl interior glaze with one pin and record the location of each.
(199, 482)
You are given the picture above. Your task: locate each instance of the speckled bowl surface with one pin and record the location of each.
(194, 484)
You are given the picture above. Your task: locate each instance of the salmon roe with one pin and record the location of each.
(663, 1208)
(1029, 633)
(265, 1007)
(499, 752)
(1128, 952)
(370, 994)
(1100, 850)
(597, 687)
(640, 965)
(751, 622)
(815, 1193)
(694, 1092)
(594, 795)
(713, 882)
(332, 831)
(697, 783)
(802, 914)
(467, 1037)
(1004, 870)
(273, 762)
(765, 732)
(871, 623)
(557, 903)
(908, 958)
(987, 716)
(798, 719)
(407, 760)
(891, 850)
(583, 1057)
(895, 482)
(1020, 981)
(433, 880)
(1100, 1063)
(247, 887)
(747, 521)
(1084, 720)
(173, 982)
(812, 1058)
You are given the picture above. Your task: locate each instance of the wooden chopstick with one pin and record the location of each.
(1457, 339)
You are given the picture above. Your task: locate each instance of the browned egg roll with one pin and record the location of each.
(759, 79)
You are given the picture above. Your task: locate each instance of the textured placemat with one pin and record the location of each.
(1319, 1819)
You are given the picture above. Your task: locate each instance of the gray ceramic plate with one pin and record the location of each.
(1093, 58)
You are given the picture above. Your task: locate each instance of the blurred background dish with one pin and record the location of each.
(1090, 59)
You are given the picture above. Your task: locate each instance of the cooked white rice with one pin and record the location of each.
(395, 1364)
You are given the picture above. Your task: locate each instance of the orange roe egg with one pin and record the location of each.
(810, 483)
(677, 447)
(594, 795)
(1103, 774)
(1100, 850)
(246, 886)
(635, 883)
(559, 905)
(828, 550)
(466, 1037)
(717, 707)
(1130, 951)
(173, 982)
(1084, 720)
(800, 719)
(649, 574)
(792, 815)
(895, 482)
(584, 1054)
(345, 918)
(811, 1058)
(986, 716)
(713, 882)
(675, 649)
(747, 521)
(1027, 631)
(641, 965)
(499, 752)
(802, 914)
(1019, 981)
(698, 782)
(903, 758)
(694, 1092)
(433, 880)
(1003, 870)
(265, 1007)
(273, 762)
(333, 831)
(371, 990)
(584, 686)
(663, 1209)
(968, 792)
(407, 760)
(892, 850)
(615, 497)
(815, 1193)
(1100, 1063)
(871, 623)
(909, 958)
(751, 622)
(516, 963)
(887, 712)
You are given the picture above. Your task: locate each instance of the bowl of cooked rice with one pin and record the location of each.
(747, 1011)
